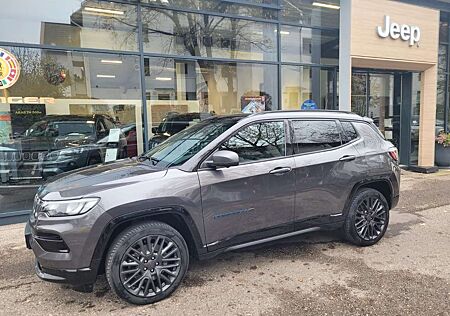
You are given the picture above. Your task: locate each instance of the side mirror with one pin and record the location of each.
(223, 158)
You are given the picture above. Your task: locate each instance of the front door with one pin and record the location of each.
(254, 199)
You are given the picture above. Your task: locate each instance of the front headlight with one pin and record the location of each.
(65, 153)
(69, 207)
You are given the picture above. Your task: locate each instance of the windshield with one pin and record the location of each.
(75, 127)
(179, 148)
(175, 125)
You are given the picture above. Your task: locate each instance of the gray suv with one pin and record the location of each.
(223, 184)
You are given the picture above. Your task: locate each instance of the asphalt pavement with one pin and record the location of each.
(407, 273)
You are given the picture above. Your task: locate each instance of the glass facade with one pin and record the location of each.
(443, 84)
(84, 82)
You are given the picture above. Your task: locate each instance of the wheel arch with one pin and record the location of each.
(382, 185)
(175, 217)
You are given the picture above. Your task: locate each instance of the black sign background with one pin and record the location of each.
(24, 115)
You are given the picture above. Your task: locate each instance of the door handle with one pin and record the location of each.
(279, 171)
(347, 158)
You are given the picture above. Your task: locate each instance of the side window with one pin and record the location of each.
(258, 141)
(349, 132)
(371, 137)
(315, 135)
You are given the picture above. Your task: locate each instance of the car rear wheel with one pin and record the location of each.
(147, 262)
(367, 218)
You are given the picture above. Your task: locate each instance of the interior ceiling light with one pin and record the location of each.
(106, 11)
(110, 61)
(326, 5)
(163, 78)
(106, 76)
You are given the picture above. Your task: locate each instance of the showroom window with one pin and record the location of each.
(311, 46)
(311, 12)
(182, 33)
(263, 9)
(78, 67)
(443, 90)
(71, 23)
(67, 110)
(308, 87)
(181, 93)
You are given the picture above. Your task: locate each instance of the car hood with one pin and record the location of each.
(91, 180)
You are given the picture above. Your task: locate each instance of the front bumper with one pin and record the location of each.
(74, 262)
(74, 277)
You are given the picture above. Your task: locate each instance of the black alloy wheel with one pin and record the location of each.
(370, 218)
(367, 218)
(147, 262)
(150, 266)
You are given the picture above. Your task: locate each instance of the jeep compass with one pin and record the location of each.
(225, 183)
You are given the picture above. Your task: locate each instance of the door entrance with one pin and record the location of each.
(392, 100)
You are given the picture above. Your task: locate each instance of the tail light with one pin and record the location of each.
(393, 153)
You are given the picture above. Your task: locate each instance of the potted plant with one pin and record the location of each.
(443, 149)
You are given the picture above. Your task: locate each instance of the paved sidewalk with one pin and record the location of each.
(407, 273)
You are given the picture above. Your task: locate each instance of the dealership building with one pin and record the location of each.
(84, 81)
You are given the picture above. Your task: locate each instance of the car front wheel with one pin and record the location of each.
(367, 218)
(147, 262)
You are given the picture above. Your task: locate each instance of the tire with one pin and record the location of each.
(367, 218)
(146, 262)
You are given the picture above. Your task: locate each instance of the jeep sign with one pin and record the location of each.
(394, 30)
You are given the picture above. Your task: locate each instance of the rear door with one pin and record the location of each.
(324, 165)
(256, 198)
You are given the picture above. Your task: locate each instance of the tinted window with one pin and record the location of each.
(371, 137)
(315, 135)
(179, 148)
(73, 128)
(349, 131)
(258, 141)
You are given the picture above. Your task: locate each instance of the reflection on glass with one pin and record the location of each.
(182, 33)
(66, 111)
(254, 8)
(310, 12)
(305, 86)
(72, 23)
(306, 45)
(258, 141)
(415, 116)
(185, 144)
(359, 92)
(183, 93)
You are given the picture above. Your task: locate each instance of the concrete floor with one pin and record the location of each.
(407, 273)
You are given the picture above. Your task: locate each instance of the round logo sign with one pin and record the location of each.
(309, 105)
(9, 69)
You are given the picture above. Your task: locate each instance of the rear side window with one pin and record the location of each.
(309, 136)
(349, 132)
(372, 139)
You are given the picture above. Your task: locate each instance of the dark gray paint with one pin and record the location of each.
(228, 207)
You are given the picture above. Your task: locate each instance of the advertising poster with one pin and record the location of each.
(5, 127)
(253, 104)
(24, 115)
